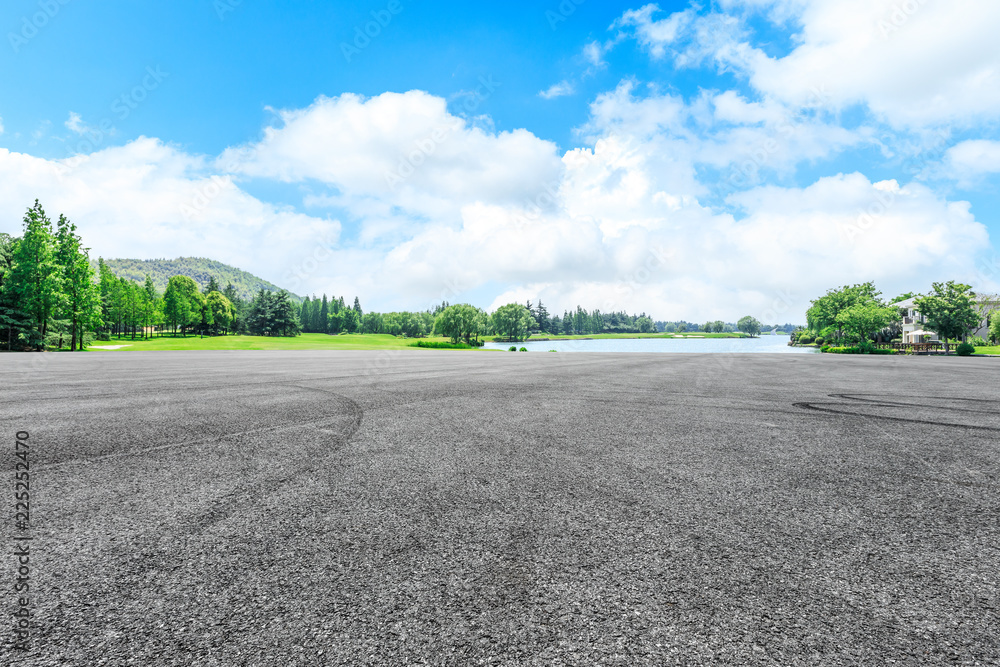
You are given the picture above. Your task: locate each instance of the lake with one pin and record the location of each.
(768, 344)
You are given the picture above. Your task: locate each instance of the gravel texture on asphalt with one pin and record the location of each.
(475, 508)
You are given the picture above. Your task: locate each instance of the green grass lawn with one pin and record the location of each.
(988, 349)
(303, 342)
(325, 342)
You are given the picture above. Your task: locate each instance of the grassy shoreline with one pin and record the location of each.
(312, 341)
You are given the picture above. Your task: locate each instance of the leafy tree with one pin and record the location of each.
(357, 308)
(12, 318)
(372, 323)
(995, 326)
(461, 321)
(950, 310)
(221, 310)
(863, 320)
(36, 277)
(351, 320)
(749, 325)
(823, 313)
(512, 321)
(205, 319)
(645, 325)
(181, 305)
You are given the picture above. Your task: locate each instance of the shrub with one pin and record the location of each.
(513, 348)
(805, 339)
(976, 341)
(524, 349)
(438, 345)
(964, 349)
(855, 350)
(819, 340)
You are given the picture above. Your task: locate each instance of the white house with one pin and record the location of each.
(913, 321)
(913, 324)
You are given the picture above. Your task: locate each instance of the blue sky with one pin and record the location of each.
(766, 149)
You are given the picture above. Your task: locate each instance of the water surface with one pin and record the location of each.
(772, 344)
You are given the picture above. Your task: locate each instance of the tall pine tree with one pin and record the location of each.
(82, 304)
(36, 277)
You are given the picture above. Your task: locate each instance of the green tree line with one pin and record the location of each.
(51, 296)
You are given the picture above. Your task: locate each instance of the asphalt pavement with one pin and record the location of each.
(463, 508)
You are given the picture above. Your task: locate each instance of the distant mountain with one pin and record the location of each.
(199, 269)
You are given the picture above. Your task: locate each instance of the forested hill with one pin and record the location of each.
(199, 269)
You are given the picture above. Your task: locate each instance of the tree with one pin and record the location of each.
(213, 285)
(324, 315)
(864, 320)
(950, 310)
(541, 315)
(512, 321)
(12, 317)
(351, 321)
(284, 321)
(151, 303)
(995, 326)
(749, 325)
(180, 304)
(824, 310)
(902, 297)
(461, 321)
(36, 278)
(372, 323)
(82, 305)
(357, 308)
(645, 325)
(221, 310)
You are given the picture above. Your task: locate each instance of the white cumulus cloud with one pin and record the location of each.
(560, 89)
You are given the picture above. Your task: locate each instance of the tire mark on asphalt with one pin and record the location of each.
(814, 406)
(882, 401)
(250, 488)
(176, 445)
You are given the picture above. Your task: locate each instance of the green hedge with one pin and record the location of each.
(437, 345)
(853, 350)
(964, 349)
